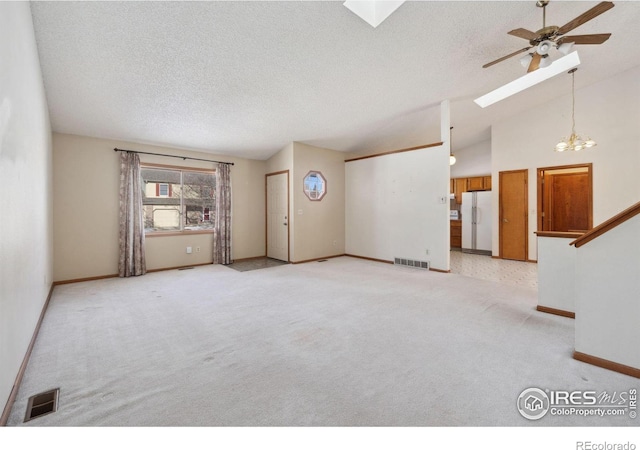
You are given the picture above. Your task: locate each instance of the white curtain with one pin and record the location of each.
(222, 226)
(132, 260)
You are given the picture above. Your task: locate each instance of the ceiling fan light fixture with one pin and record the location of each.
(526, 60)
(565, 48)
(549, 36)
(544, 47)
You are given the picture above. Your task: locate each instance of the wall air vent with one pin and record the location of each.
(42, 404)
(411, 263)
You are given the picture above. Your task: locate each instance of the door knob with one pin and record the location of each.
(285, 224)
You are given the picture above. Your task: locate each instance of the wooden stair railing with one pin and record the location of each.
(607, 225)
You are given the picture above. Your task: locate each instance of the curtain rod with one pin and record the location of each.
(172, 156)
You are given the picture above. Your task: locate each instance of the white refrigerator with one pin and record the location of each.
(476, 222)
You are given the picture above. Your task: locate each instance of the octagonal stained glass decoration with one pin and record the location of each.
(315, 185)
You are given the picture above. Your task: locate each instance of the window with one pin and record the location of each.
(177, 199)
(315, 186)
(163, 190)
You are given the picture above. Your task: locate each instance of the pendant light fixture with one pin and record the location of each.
(574, 143)
(452, 158)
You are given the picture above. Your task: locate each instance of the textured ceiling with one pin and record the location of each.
(246, 78)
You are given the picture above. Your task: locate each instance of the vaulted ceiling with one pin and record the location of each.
(245, 78)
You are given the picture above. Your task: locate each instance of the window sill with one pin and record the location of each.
(151, 234)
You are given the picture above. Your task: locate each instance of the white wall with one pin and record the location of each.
(472, 161)
(556, 273)
(609, 111)
(393, 208)
(608, 295)
(25, 172)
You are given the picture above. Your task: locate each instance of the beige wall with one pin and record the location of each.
(318, 225)
(283, 160)
(26, 234)
(86, 177)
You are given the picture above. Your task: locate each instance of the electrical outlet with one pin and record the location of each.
(197, 249)
(427, 251)
(335, 243)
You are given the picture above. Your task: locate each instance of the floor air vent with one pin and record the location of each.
(42, 404)
(411, 263)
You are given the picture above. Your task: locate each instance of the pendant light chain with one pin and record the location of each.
(574, 143)
(573, 102)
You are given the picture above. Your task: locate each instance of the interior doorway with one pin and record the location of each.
(565, 198)
(513, 215)
(277, 210)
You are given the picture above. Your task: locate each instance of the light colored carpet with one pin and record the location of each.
(345, 342)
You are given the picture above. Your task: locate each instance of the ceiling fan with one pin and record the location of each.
(542, 40)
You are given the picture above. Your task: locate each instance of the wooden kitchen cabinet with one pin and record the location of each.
(460, 186)
(456, 233)
(475, 184)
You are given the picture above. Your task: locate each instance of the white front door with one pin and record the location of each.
(278, 216)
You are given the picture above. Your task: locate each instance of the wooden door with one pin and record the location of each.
(513, 214)
(569, 205)
(278, 215)
(565, 198)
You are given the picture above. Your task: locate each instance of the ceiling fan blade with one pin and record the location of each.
(585, 38)
(535, 62)
(524, 34)
(505, 57)
(585, 17)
